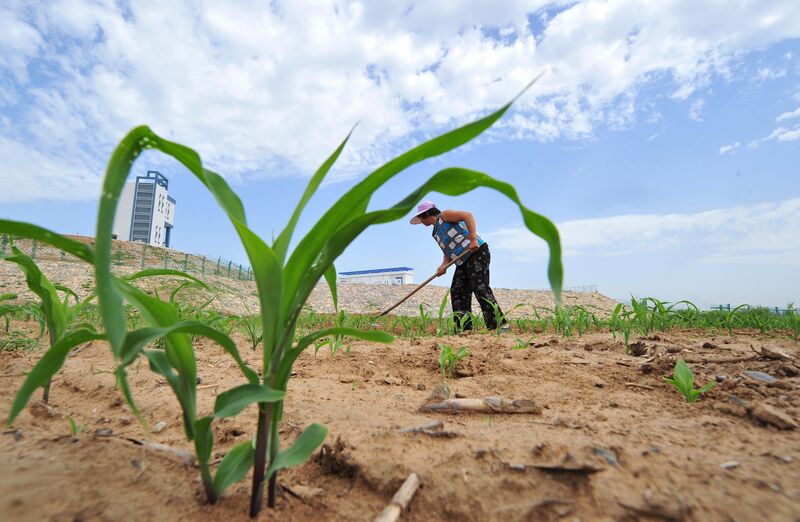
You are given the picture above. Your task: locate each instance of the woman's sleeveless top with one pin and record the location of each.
(453, 238)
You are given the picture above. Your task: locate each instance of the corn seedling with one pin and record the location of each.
(6, 310)
(519, 344)
(448, 359)
(75, 428)
(683, 381)
(58, 314)
(284, 282)
(425, 318)
(16, 340)
(250, 325)
(729, 316)
(444, 324)
(500, 319)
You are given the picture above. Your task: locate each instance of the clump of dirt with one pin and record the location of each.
(612, 441)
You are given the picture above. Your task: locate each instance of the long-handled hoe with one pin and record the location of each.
(418, 288)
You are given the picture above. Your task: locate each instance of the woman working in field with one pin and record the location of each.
(455, 231)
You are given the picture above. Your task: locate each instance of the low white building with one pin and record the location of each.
(402, 275)
(145, 212)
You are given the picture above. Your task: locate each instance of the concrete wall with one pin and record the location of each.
(122, 220)
(163, 211)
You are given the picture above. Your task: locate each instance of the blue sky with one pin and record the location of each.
(663, 139)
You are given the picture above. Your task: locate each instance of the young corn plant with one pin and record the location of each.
(58, 313)
(250, 325)
(729, 317)
(444, 323)
(284, 282)
(520, 344)
(683, 381)
(448, 359)
(6, 310)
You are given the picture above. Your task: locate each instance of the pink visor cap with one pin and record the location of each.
(421, 209)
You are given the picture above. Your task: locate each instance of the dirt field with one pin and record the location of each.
(612, 441)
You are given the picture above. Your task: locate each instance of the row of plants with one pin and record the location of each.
(641, 317)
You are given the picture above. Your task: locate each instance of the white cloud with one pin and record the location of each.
(728, 148)
(780, 134)
(270, 88)
(788, 115)
(768, 232)
(767, 73)
(695, 109)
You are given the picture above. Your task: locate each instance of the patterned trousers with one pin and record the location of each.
(472, 277)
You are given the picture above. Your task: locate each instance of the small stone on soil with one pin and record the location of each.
(159, 427)
(103, 432)
(607, 455)
(421, 386)
(730, 464)
(760, 376)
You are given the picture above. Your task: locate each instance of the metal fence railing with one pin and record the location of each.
(775, 310)
(136, 255)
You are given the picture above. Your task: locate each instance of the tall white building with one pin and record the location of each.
(146, 212)
(402, 275)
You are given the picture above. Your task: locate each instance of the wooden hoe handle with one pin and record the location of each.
(417, 289)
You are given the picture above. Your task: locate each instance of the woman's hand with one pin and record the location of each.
(441, 270)
(473, 244)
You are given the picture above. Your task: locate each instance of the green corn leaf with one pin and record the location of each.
(301, 450)
(137, 339)
(281, 245)
(54, 311)
(330, 277)
(204, 439)
(50, 363)
(683, 374)
(125, 388)
(160, 313)
(268, 277)
(67, 292)
(233, 401)
(27, 230)
(180, 287)
(706, 387)
(7, 296)
(184, 390)
(157, 272)
(234, 466)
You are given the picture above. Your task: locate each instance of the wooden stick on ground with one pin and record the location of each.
(400, 500)
(186, 457)
(484, 405)
(417, 289)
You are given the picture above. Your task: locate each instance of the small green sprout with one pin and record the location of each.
(75, 428)
(520, 344)
(448, 359)
(683, 381)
